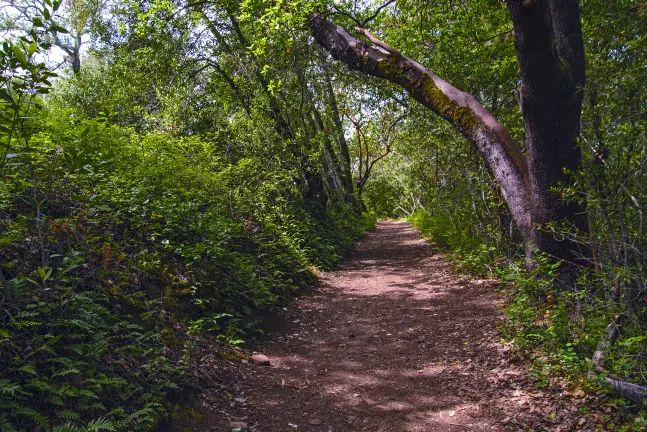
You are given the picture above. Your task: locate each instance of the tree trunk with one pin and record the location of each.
(347, 177)
(550, 52)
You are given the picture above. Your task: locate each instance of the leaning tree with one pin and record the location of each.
(550, 54)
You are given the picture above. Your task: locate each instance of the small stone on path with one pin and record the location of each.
(237, 426)
(260, 359)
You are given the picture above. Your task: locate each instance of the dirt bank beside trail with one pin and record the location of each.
(392, 341)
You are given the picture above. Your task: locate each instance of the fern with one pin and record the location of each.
(27, 368)
(56, 401)
(68, 415)
(99, 425)
(8, 387)
(5, 426)
(31, 414)
(66, 372)
(68, 427)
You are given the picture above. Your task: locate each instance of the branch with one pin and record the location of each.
(403, 209)
(503, 33)
(378, 42)
(231, 84)
(346, 14)
(377, 12)
(635, 392)
(490, 138)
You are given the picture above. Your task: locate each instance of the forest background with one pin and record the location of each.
(171, 169)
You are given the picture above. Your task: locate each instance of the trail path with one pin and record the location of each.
(393, 341)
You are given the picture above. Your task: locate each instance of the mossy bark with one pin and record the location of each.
(550, 51)
(461, 109)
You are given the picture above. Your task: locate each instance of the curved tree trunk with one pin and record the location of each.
(461, 109)
(550, 52)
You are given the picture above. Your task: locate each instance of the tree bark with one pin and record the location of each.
(550, 53)
(461, 109)
(347, 177)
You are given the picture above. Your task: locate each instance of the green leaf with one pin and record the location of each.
(99, 425)
(28, 369)
(5, 426)
(69, 415)
(44, 272)
(59, 29)
(19, 55)
(4, 94)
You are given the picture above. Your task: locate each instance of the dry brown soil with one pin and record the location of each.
(392, 341)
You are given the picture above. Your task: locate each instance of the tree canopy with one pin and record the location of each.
(170, 168)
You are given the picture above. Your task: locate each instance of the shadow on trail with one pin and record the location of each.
(392, 341)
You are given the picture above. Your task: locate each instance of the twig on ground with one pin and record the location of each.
(291, 386)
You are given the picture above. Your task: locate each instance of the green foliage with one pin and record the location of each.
(133, 221)
(138, 235)
(539, 321)
(469, 252)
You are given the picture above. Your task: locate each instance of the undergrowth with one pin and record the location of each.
(134, 243)
(556, 329)
(470, 253)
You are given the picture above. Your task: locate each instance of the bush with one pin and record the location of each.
(138, 237)
(469, 252)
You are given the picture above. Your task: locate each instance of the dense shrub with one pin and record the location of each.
(470, 251)
(140, 237)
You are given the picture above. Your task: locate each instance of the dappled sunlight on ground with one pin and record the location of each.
(392, 341)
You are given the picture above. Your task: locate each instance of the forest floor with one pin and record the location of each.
(392, 341)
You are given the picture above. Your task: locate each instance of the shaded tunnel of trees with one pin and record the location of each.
(171, 169)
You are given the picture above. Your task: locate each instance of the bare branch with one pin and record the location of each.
(346, 14)
(377, 12)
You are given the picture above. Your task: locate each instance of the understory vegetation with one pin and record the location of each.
(450, 195)
(124, 235)
(169, 170)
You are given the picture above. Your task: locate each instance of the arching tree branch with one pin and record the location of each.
(462, 110)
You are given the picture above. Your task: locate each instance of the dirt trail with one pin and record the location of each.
(393, 341)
